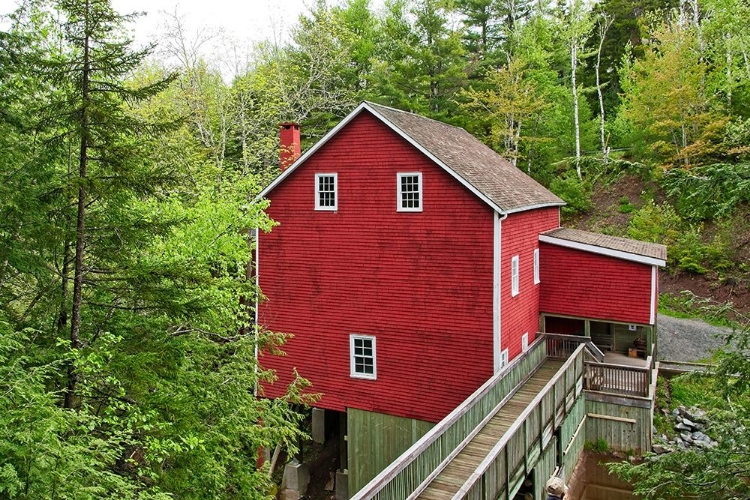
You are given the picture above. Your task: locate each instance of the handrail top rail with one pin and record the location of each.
(378, 482)
(620, 367)
(503, 442)
(567, 336)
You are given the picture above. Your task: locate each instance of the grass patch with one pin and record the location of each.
(695, 390)
(689, 306)
(599, 446)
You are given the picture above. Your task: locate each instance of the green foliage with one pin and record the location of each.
(51, 452)
(164, 364)
(599, 446)
(688, 305)
(625, 207)
(717, 472)
(576, 193)
(708, 192)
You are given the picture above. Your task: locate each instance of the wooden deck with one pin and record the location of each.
(449, 480)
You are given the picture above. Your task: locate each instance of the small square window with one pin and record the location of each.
(362, 354)
(409, 186)
(536, 266)
(514, 285)
(326, 191)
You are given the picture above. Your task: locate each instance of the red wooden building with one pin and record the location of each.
(411, 262)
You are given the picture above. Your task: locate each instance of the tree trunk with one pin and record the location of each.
(728, 38)
(75, 316)
(604, 24)
(573, 66)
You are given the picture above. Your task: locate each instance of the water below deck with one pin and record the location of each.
(450, 479)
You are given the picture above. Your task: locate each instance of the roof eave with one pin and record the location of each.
(435, 159)
(286, 173)
(610, 252)
(534, 207)
(410, 140)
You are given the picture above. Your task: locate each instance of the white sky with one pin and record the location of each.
(241, 22)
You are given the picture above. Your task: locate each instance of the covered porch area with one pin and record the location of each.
(621, 343)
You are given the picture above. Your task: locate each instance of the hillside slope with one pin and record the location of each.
(708, 259)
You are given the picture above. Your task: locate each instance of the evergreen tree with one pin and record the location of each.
(420, 61)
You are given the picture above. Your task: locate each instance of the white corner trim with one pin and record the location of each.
(497, 224)
(654, 274)
(257, 306)
(618, 254)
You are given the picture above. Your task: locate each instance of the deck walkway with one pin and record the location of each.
(449, 481)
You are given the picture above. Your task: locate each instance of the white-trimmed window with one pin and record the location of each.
(536, 266)
(504, 358)
(525, 342)
(326, 191)
(363, 359)
(514, 285)
(409, 188)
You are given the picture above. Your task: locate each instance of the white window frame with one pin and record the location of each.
(504, 358)
(515, 288)
(335, 206)
(536, 266)
(400, 194)
(352, 358)
(525, 342)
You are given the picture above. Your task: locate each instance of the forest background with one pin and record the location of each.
(127, 345)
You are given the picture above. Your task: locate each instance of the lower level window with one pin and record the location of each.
(362, 354)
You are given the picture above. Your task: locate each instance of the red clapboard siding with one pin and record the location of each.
(588, 285)
(421, 283)
(520, 236)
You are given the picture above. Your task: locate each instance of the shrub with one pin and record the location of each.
(576, 193)
(656, 224)
(625, 206)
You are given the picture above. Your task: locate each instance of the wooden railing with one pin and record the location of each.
(505, 466)
(562, 346)
(620, 379)
(409, 474)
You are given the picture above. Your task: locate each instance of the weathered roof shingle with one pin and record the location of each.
(478, 165)
(635, 247)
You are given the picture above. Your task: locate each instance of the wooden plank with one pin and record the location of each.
(609, 417)
(465, 463)
(552, 383)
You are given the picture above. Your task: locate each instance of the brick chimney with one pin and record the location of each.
(290, 146)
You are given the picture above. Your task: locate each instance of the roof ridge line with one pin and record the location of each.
(421, 117)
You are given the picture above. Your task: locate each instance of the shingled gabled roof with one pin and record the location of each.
(614, 246)
(488, 175)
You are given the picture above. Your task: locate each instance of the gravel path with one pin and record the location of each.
(687, 339)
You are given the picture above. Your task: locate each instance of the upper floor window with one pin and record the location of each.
(326, 191)
(362, 356)
(536, 266)
(409, 187)
(514, 285)
(525, 342)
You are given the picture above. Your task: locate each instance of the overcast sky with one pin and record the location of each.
(243, 21)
